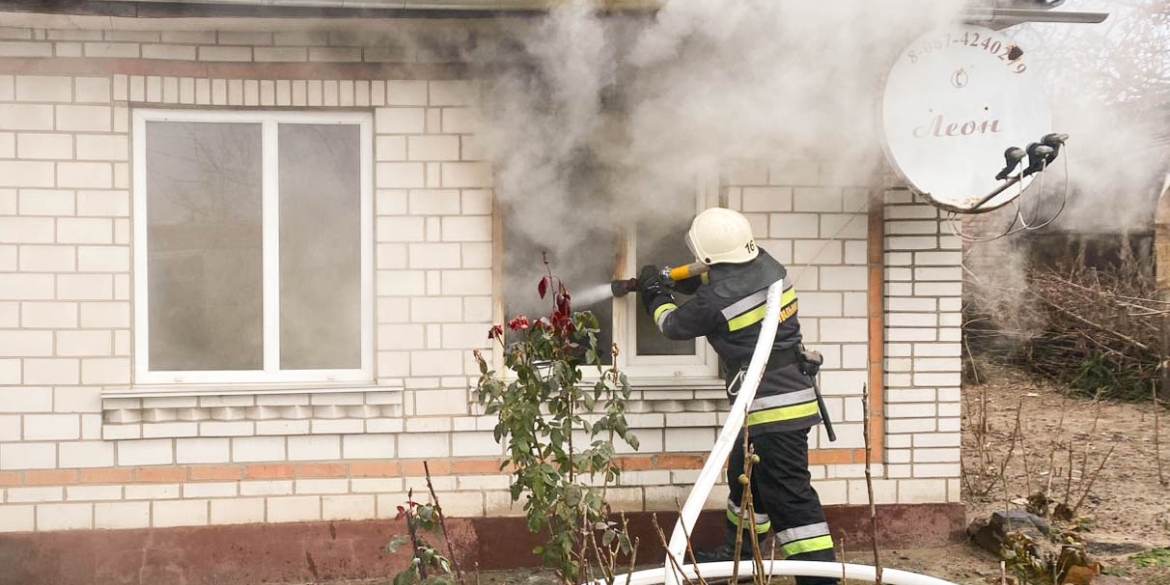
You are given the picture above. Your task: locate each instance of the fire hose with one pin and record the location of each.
(713, 469)
(728, 436)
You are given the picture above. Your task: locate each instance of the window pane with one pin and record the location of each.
(320, 246)
(661, 245)
(204, 246)
(581, 271)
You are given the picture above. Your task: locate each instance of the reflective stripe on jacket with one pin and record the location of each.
(728, 311)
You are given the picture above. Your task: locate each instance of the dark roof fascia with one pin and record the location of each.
(997, 17)
(158, 10)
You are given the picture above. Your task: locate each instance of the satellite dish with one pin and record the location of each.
(954, 101)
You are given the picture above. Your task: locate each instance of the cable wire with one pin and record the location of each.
(833, 238)
(1018, 216)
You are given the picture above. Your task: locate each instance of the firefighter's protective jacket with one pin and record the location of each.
(728, 308)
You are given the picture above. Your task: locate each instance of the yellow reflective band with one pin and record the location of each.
(662, 309)
(760, 527)
(824, 542)
(788, 308)
(783, 413)
(705, 277)
(788, 296)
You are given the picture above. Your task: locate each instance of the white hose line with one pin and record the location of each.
(723, 570)
(730, 436)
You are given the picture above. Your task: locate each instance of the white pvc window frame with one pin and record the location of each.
(697, 370)
(270, 237)
(704, 363)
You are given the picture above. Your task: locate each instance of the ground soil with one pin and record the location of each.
(1124, 508)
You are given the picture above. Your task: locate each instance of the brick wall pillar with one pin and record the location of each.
(923, 297)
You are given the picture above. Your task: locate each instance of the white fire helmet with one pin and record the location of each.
(720, 235)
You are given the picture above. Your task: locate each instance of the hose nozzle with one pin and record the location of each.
(621, 288)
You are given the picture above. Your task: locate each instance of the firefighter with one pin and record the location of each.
(728, 308)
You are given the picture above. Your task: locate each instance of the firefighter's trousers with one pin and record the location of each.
(783, 498)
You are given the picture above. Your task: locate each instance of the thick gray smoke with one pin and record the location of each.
(1109, 86)
(595, 123)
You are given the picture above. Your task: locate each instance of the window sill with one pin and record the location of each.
(199, 390)
(666, 394)
(225, 410)
(651, 384)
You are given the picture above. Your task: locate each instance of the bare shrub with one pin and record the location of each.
(1095, 330)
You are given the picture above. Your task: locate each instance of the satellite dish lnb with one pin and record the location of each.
(956, 102)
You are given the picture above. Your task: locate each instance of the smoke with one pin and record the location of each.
(1109, 86)
(595, 123)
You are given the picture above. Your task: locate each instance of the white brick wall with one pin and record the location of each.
(65, 322)
(924, 287)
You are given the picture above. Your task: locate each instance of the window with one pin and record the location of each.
(253, 247)
(615, 252)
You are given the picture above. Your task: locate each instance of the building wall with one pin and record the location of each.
(923, 330)
(82, 447)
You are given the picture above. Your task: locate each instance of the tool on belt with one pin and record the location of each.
(809, 361)
(810, 364)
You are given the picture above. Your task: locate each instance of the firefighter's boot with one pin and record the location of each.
(726, 550)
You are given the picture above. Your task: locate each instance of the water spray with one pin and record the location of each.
(621, 288)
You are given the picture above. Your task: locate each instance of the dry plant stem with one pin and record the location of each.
(1006, 459)
(633, 545)
(1052, 453)
(971, 357)
(592, 542)
(634, 558)
(1068, 484)
(1092, 433)
(1007, 496)
(1157, 439)
(981, 433)
(747, 493)
(443, 524)
(771, 560)
(877, 561)
(666, 545)
(1023, 452)
(422, 567)
(690, 544)
(1092, 478)
(965, 476)
(749, 508)
(842, 558)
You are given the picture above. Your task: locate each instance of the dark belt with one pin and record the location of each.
(779, 358)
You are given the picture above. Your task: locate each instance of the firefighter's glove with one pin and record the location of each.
(652, 288)
(810, 362)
